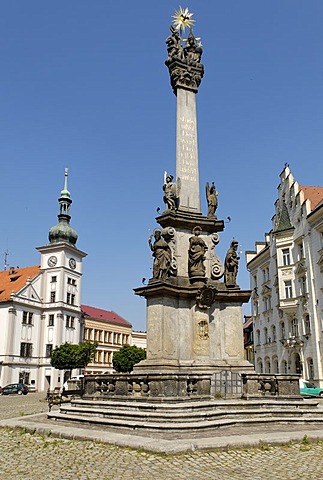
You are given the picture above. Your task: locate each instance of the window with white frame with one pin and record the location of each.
(288, 289)
(27, 318)
(286, 257)
(70, 321)
(51, 320)
(294, 327)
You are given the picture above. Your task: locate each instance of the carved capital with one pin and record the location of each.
(185, 76)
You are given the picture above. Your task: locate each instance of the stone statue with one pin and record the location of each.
(171, 189)
(231, 265)
(174, 46)
(212, 200)
(192, 51)
(196, 254)
(162, 256)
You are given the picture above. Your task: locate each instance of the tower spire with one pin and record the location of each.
(63, 232)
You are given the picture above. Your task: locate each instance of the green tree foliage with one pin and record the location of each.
(69, 355)
(127, 357)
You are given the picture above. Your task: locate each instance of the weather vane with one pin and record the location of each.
(183, 19)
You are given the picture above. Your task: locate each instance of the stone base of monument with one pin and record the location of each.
(171, 418)
(178, 404)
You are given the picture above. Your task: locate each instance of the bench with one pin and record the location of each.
(58, 396)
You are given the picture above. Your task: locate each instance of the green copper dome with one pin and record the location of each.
(63, 232)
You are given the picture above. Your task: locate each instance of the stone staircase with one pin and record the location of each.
(188, 416)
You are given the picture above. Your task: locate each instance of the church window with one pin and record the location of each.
(51, 320)
(52, 296)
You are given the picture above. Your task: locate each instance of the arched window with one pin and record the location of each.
(258, 337)
(273, 333)
(260, 366)
(266, 334)
(282, 330)
(267, 366)
(275, 365)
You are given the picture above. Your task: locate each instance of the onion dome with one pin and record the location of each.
(63, 232)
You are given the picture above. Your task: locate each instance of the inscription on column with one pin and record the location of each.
(187, 149)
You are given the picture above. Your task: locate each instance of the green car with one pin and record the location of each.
(308, 389)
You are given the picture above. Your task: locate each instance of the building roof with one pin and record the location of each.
(107, 315)
(15, 279)
(313, 194)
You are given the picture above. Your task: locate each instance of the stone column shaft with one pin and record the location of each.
(187, 152)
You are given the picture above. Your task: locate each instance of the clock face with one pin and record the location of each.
(72, 263)
(52, 261)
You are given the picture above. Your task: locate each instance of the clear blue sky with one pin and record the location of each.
(83, 84)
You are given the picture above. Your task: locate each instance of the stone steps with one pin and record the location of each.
(176, 417)
(201, 425)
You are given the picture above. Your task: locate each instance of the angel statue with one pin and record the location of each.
(171, 192)
(212, 200)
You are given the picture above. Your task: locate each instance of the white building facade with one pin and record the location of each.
(40, 307)
(286, 275)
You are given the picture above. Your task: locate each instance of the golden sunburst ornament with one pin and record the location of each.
(183, 19)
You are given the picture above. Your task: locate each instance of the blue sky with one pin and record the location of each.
(84, 86)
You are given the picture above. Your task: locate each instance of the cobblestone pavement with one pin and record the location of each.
(33, 457)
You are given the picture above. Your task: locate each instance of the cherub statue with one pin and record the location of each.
(212, 200)
(172, 191)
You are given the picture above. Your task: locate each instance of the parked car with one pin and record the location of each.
(308, 389)
(19, 388)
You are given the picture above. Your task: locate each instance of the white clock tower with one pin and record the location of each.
(61, 266)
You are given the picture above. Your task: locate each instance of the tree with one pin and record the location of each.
(127, 357)
(70, 355)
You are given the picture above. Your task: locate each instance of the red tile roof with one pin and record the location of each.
(313, 194)
(109, 316)
(15, 279)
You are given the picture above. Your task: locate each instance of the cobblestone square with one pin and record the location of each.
(26, 456)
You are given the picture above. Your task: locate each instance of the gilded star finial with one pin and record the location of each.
(183, 19)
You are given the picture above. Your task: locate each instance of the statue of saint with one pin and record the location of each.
(196, 254)
(192, 51)
(171, 190)
(162, 256)
(212, 200)
(231, 265)
(174, 46)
